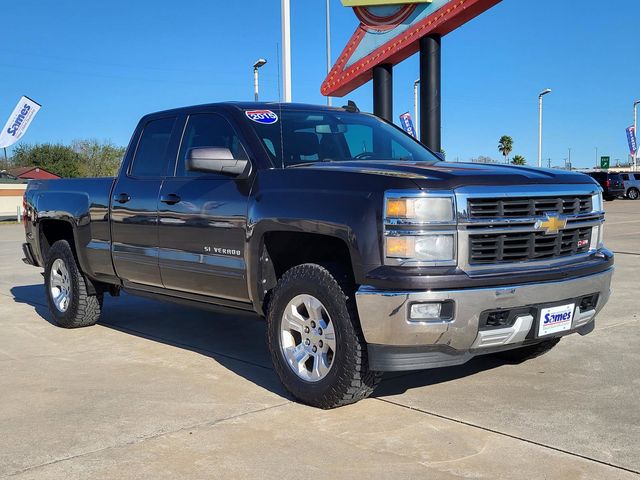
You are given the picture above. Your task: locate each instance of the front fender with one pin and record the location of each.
(352, 217)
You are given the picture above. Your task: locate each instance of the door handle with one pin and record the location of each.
(122, 198)
(170, 199)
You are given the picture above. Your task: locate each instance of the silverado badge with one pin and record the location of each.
(551, 225)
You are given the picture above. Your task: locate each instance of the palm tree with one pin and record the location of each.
(505, 146)
(519, 160)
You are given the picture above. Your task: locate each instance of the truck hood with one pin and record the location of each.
(448, 175)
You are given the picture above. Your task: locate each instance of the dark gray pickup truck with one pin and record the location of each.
(364, 251)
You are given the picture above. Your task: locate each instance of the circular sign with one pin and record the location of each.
(383, 18)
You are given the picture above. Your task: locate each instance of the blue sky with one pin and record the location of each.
(98, 66)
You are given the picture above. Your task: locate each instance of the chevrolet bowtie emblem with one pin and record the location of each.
(551, 225)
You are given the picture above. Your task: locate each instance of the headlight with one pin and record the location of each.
(421, 209)
(420, 228)
(425, 248)
(596, 202)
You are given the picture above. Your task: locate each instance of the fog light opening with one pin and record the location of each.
(431, 311)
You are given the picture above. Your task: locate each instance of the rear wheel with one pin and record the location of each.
(609, 198)
(69, 302)
(519, 355)
(314, 336)
(633, 194)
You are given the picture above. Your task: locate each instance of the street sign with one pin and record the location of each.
(631, 140)
(407, 124)
(605, 162)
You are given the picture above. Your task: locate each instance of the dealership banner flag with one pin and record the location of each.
(631, 138)
(18, 122)
(407, 124)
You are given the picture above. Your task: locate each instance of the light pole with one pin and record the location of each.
(286, 50)
(416, 84)
(328, 46)
(542, 94)
(635, 132)
(256, 81)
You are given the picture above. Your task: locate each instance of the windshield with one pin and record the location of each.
(336, 136)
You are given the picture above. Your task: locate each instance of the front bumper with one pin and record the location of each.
(396, 343)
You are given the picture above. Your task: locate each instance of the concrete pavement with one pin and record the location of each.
(162, 391)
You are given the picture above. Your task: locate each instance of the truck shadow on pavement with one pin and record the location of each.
(233, 339)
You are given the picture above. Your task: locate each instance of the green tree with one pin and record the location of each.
(98, 159)
(56, 158)
(505, 146)
(519, 160)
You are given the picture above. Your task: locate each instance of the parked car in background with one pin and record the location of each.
(611, 183)
(631, 184)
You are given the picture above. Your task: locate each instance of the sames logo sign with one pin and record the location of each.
(13, 129)
(18, 122)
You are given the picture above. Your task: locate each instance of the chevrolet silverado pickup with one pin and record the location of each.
(364, 251)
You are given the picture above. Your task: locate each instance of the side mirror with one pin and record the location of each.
(215, 160)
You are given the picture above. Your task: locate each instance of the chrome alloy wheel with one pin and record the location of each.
(307, 338)
(60, 285)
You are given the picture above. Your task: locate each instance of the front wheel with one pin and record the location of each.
(69, 302)
(633, 194)
(314, 337)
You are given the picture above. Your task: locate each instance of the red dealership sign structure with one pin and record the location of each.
(389, 32)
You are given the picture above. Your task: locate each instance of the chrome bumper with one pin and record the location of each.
(384, 315)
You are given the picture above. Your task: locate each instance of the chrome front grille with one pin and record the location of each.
(525, 246)
(528, 207)
(505, 227)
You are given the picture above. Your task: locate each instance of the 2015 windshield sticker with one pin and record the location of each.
(266, 117)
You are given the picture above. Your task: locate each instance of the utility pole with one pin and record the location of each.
(328, 46)
(542, 94)
(635, 132)
(256, 79)
(286, 50)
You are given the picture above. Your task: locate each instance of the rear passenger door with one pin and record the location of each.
(203, 218)
(134, 206)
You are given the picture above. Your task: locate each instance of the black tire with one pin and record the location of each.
(633, 194)
(609, 198)
(522, 354)
(83, 310)
(349, 378)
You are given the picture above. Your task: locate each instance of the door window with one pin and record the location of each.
(151, 156)
(625, 177)
(207, 130)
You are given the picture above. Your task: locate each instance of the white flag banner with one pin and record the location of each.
(18, 122)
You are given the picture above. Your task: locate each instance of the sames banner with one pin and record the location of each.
(18, 122)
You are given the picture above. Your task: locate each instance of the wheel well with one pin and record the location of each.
(284, 250)
(51, 231)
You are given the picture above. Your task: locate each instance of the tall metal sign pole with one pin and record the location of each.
(286, 50)
(430, 92)
(328, 45)
(416, 120)
(383, 91)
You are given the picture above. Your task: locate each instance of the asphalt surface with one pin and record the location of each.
(162, 391)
